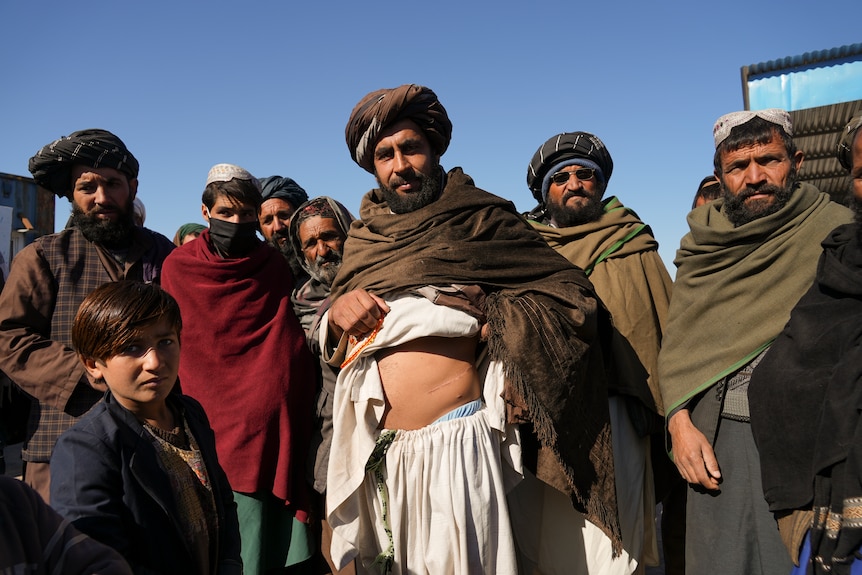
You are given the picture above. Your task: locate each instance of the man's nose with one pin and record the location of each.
(400, 163)
(573, 183)
(100, 196)
(754, 174)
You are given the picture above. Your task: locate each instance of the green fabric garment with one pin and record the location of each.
(272, 538)
(545, 324)
(620, 255)
(735, 287)
(618, 233)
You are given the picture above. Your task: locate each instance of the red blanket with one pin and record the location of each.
(245, 359)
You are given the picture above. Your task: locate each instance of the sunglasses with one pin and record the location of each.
(560, 178)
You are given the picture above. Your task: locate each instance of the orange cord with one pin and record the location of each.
(368, 341)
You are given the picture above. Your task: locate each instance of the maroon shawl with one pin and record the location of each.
(244, 358)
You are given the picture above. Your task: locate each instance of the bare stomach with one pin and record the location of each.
(426, 378)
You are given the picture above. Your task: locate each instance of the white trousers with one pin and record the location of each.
(446, 503)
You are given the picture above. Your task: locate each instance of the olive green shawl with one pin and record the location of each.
(735, 287)
(620, 255)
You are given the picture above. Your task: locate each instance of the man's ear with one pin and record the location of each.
(204, 213)
(797, 159)
(133, 188)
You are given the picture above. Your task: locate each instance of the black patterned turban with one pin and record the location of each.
(52, 165)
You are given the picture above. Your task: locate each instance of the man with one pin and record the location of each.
(318, 229)
(568, 175)
(709, 189)
(747, 259)
(95, 171)
(245, 360)
(446, 303)
(805, 398)
(281, 197)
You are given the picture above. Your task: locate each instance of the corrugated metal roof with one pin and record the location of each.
(805, 59)
(816, 132)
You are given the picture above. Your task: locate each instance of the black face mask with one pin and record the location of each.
(233, 240)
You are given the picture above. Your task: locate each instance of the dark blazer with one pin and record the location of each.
(106, 478)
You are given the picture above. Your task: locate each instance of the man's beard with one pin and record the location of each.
(286, 250)
(429, 188)
(324, 269)
(563, 216)
(284, 247)
(110, 233)
(738, 213)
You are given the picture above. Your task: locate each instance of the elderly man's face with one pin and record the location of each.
(576, 202)
(321, 240)
(406, 167)
(757, 180)
(274, 219)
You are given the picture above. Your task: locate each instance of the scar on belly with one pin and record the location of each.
(451, 379)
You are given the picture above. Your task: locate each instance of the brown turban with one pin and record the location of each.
(52, 165)
(385, 107)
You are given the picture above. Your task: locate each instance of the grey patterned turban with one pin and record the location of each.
(566, 149)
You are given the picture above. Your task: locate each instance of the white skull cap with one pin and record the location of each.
(726, 123)
(228, 172)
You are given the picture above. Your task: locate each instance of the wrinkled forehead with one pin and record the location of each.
(767, 140)
(277, 205)
(316, 226)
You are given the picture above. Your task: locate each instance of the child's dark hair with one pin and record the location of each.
(114, 314)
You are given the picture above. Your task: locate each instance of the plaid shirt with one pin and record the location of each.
(48, 281)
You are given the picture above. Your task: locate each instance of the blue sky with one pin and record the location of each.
(269, 86)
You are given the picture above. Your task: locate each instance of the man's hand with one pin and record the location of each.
(692, 453)
(356, 313)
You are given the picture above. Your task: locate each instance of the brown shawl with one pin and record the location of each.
(544, 320)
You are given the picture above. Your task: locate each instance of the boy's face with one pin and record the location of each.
(141, 375)
(227, 209)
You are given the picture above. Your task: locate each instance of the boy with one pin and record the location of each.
(139, 472)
